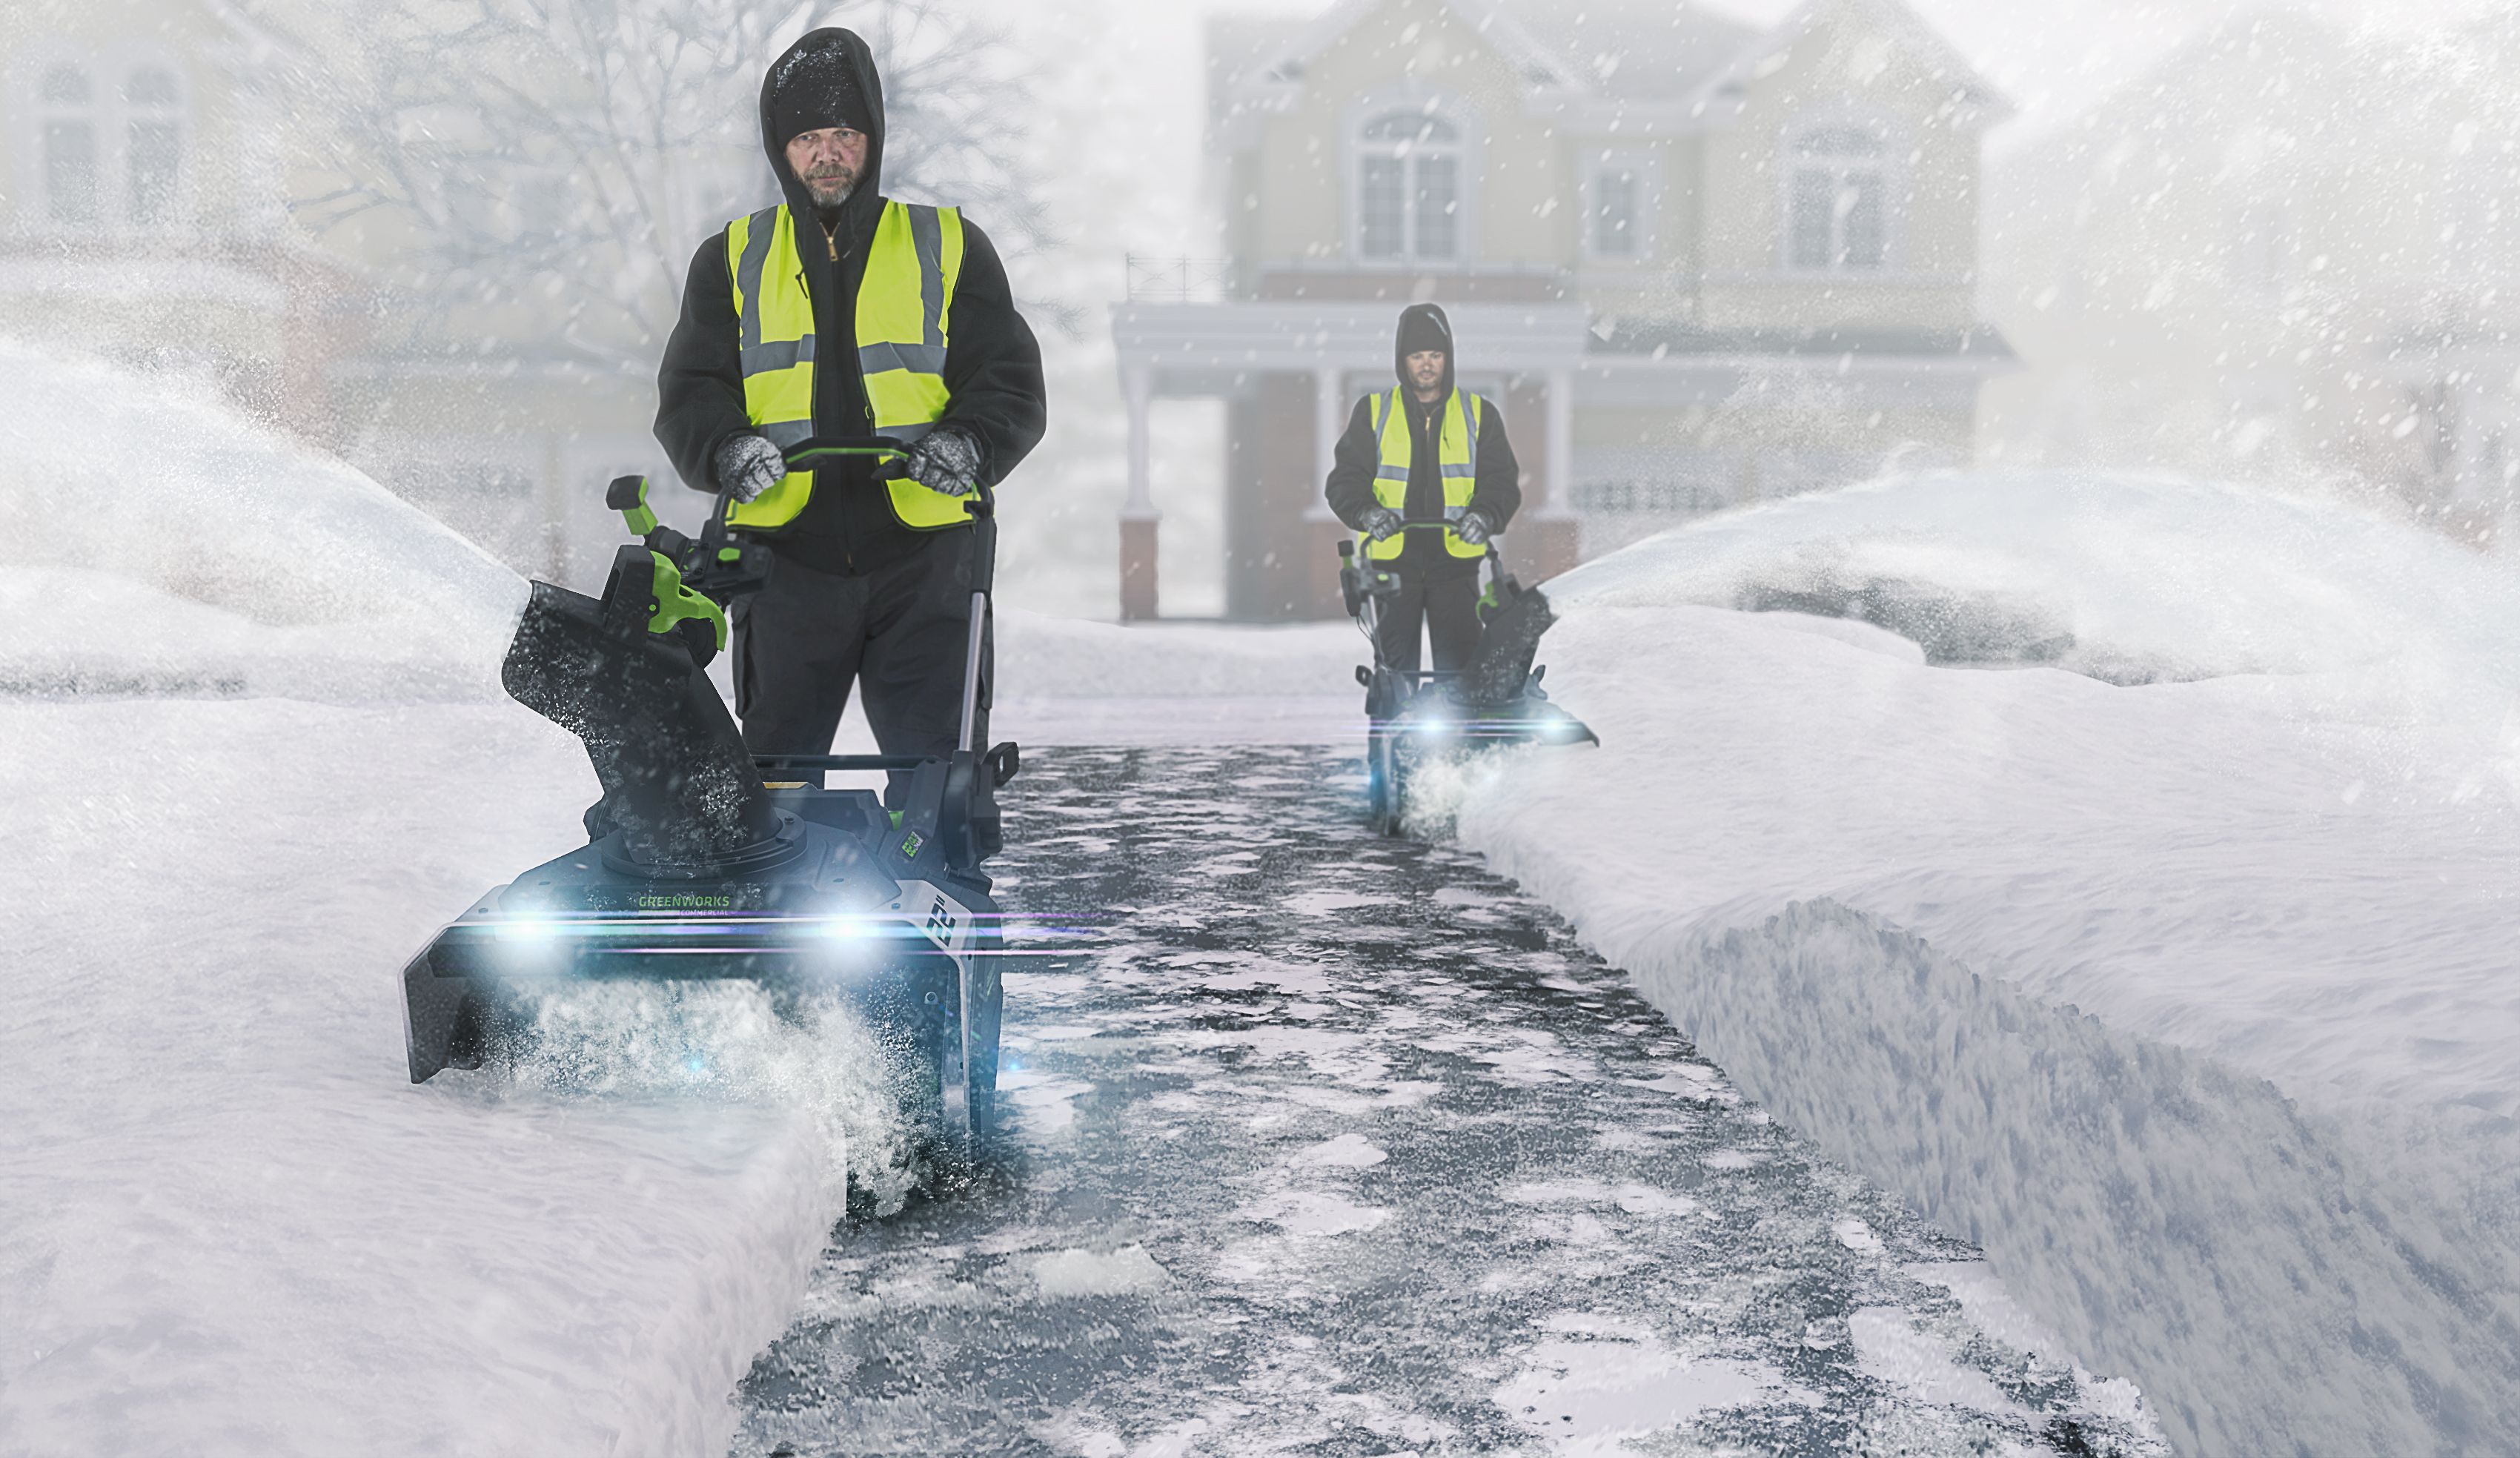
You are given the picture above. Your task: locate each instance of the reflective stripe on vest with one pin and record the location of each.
(1457, 456)
(904, 318)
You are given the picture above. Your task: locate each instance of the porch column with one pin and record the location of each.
(1138, 514)
(1322, 529)
(1555, 541)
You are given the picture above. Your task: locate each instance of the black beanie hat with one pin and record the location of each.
(1423, 327)
(815, 89)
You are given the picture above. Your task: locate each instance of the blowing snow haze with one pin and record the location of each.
(2031, 500)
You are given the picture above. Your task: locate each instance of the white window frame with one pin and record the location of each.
(1893, 169)
(1467, 149)
(179, 114)
(1645, 163)
(109, 71)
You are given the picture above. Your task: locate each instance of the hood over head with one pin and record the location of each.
(827, 79)
(1424, 326)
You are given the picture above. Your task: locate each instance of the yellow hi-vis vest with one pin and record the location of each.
(1457, 450)
(905, 308)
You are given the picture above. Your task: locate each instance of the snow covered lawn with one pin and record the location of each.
(228, 1222)
(2193, 1002)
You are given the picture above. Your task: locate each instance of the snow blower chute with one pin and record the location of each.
(706, 863)
(1496, 701)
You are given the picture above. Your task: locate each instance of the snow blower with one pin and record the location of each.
(1494, 703)
(705, 862)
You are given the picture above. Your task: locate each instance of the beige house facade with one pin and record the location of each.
(1697, 262)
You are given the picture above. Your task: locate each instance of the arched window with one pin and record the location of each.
(1837, 200)
(1408, 188)
(153, 159)
(70, 164)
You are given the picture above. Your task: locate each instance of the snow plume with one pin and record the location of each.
(165, 545)
(734, 1042)
(1438, 786)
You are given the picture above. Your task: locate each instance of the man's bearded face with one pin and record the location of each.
(1426, 368)
(829, 160)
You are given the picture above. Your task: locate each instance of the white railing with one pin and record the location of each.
(1154, 280)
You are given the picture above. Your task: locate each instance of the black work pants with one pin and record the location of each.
(1447, 603)
(901, 631)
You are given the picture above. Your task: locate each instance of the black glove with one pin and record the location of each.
(1473, 529)
(1382, 524)
(747, 465)
(946, 460)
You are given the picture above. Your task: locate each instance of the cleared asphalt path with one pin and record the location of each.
(1323, 1144)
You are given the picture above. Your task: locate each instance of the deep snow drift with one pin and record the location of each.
(2192, 1001)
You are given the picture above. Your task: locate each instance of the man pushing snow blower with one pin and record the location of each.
(867, 464)
(844, 313)
(1432, 454)
(1428, 481)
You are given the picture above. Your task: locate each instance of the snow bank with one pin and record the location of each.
(2190, 1002)
(230, 1225)
(152, 542)
(2127, 578)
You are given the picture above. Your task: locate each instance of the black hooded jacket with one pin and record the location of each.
(992, 362)
(1494, 495)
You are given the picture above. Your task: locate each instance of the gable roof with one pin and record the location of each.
(1672, 57)
(1721, 92)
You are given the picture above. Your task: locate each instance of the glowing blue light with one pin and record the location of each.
(695, 1065)
(528, 929)
(847, 927)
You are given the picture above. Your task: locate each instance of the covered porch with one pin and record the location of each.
(1290, 372)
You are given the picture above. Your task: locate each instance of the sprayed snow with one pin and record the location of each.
(166, 546)
(2164, 994)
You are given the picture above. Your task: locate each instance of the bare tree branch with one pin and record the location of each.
(543, 168)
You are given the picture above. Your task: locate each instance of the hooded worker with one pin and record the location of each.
(838, 314)
(1426, 478)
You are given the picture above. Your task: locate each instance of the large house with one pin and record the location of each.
(1698, 263)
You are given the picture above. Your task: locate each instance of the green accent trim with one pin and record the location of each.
(805, 459)
(729, 553)
(642, 521)
(674, 603)
(896, 819)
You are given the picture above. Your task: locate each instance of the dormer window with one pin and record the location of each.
(70, 164)
(1622, 195)
(1837, 200)
(1409, 177)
